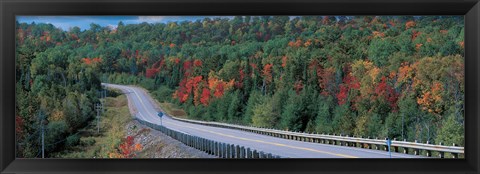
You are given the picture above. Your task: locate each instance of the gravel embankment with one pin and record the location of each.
(158, 145)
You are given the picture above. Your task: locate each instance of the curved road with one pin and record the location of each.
(145, 108)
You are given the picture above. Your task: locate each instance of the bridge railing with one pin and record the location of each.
(405, 147)
(222, 150)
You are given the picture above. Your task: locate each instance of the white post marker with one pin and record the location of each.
(160, 114)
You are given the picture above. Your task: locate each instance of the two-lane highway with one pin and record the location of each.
(283, 147)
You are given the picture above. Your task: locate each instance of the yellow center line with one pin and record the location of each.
(247, 139)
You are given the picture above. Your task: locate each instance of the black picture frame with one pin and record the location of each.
(10, 8)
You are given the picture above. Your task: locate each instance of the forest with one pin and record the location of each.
(371, 76)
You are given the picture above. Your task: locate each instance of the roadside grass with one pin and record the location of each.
(173, 110)
(112, 124)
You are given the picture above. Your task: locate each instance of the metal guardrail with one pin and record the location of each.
(377, 144)
(222, 150)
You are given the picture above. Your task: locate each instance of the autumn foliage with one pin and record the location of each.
(415, 34)
(349, 82)
(410, 24)
(127, 149)
(267, 72)
(205, 96)
(430, 99)
(386, 92)
(186, 87)
(90, 61)
(295, 44)
(197, 63)
(19, 125)
(284, 61)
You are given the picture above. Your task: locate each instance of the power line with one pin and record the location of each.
(29, 137)
(54, 143)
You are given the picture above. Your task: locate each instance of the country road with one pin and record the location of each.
(286, 148)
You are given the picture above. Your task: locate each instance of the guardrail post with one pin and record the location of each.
(222, 150)
(441, 154)
(454, 155)
(429, 153)
(212, 147)
(249, 153)
(216, 149)
(237, 151)
(192, 141)
(196, 143)
(228, 151)
(405, 150)
(416, 151)
(255, 154)
(232, 151)
(385, 147)
(201, 144)
(209, 147)
(395, 148)
(185, 138)
(346, 142)
(242, 152)
(220, 147)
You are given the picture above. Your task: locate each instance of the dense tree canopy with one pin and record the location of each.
(370, 76)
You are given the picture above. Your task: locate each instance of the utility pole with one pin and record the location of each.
(43, 122)
(403, 126)
(104, 98)
(43, 140)
(98, 108)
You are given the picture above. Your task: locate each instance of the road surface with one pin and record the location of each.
(145, 107)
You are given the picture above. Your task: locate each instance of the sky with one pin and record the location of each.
(67, 22)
